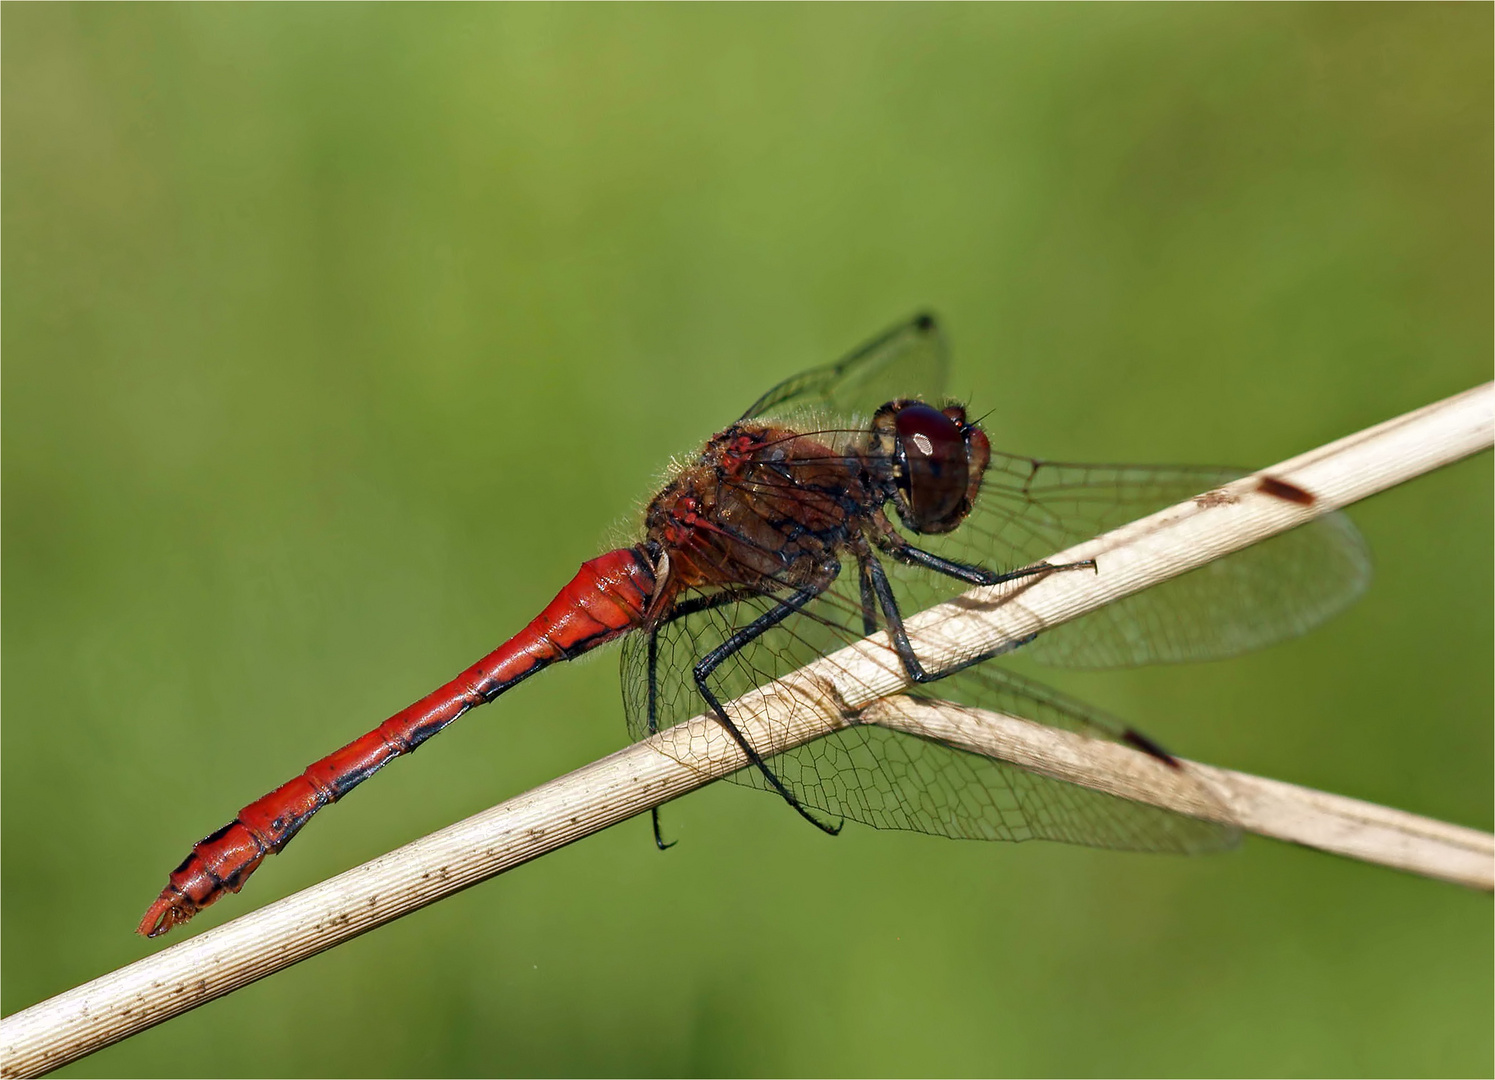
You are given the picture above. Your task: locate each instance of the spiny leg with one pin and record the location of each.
(736, 643)
(1044, 568)
(872, 570)
(869, 599)
(900, 549)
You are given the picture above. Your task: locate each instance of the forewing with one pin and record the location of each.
(909, 360)
(1029, 510)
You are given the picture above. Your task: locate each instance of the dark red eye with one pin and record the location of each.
(932, 475)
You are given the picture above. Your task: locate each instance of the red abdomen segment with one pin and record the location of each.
(607, 597)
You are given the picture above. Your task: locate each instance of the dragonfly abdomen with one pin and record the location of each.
(607, 597)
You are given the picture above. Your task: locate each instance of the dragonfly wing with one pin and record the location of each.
(909, 360)
(891, 780)
(1044, 808)
(888, 779)
(1029, 510)
(1271, 591)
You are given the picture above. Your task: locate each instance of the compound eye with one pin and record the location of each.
(934, 474)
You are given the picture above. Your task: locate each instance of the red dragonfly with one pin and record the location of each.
(739, 578)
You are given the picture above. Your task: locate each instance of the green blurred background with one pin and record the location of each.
(335, 336)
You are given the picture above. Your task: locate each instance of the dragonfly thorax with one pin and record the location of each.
(762, 506)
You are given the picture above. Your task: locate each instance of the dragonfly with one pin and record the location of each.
(842, 499)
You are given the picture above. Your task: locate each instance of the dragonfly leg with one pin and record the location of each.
(872, 570)
(681, 610)
(1045, 568)
(738, 641)
(654, 725)
(900, 549)
(869, 599)
(904, 552)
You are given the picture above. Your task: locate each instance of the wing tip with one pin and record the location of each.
(1135, 739)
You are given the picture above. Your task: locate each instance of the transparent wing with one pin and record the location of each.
(887, 779)
(1029, 510)
(910, 360)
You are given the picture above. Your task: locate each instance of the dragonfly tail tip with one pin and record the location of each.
(169, 910)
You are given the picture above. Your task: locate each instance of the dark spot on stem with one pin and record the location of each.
(1281, 489)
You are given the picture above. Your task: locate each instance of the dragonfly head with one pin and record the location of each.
(933, 460)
